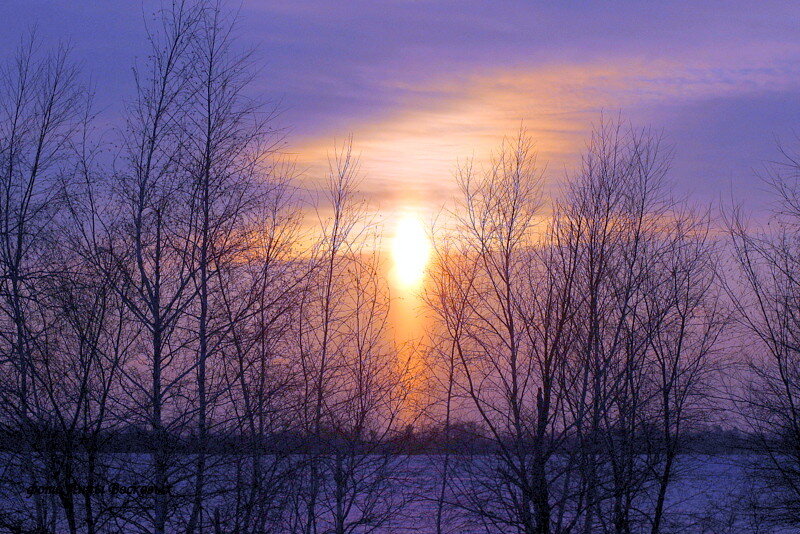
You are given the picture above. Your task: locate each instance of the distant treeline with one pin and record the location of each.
(465, 438)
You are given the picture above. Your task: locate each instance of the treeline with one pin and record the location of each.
(168, 292)
(458, 438)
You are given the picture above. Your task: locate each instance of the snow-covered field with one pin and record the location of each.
(711, 495)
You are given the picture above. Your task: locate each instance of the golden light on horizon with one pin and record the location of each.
(411, 250)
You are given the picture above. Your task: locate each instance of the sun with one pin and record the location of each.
(411, 250)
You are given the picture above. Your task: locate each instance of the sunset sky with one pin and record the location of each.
(422, 84)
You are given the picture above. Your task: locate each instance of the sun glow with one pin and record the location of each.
(411, 250)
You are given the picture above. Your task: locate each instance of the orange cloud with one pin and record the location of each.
(408, 156)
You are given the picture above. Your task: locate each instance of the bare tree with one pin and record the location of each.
(319, 331)
(149, 240)
(645, 326)
(228, 145)
(687, 319)
(609, 206)
(585, 347)
(352, 389)
(41, 112)
(260, 297)
(502, 375)
(78, 381)
(765, 292)
(447, 294)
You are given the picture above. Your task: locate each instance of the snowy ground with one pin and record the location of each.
(712, 495)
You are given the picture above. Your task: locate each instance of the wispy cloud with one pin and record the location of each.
(408, 154)
(423, 83)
